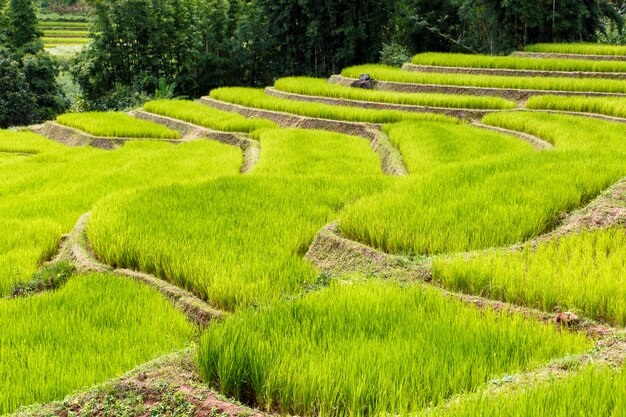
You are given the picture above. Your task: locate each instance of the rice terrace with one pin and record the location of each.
(200, 220)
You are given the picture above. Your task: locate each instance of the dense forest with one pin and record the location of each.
(186, 47)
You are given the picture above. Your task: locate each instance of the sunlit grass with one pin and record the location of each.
(115, 124)
(577, 48)
(609, 106)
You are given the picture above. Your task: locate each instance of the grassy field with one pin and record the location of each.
(516, 63)
(609, 106)
(583, 273)
(386, 73)
(115, 124)
(256, 98)
(370, 349)
(319, 87)
(592, 391)
(205, 116)
(243, 245)
(44, 194)
(57, 33)
(94, 328)
(497, 199)
(577, 48)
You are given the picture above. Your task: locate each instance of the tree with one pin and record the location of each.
(21, 26)
(17, 101)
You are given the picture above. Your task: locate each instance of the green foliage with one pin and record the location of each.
(46, 192)
(21, 31)
(95, 327)
(115, 124)
(394, 55)
(320, 87)
(593, 391)
(509, 62)
(206, 116)
(370, 349)
(582, 272)
(256, 98)
(48, 278)
(609, 106)
(17, 101)
(577, 48)
(385, 73)
(42, 70)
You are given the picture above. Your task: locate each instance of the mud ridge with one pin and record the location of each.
(517, 95)
(76, 249)
(569, 56)
(391, 159)
(466, 114)
(73, 137)
(580, 114)
(537, 143)
(156, 388)
(513, 72)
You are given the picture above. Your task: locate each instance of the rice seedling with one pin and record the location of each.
(69, 33)
(55, 24)
(319, 87)
(577, 48)
(256, 98)
(386, 73)
(94, 328)
(115, 124)
(52, 40)
(315, 152)
(516, 63)
(502, 199)
(205, 116)
(582, 272)
(42, 196)
(370, 348)
(592, 391)
(609, 106)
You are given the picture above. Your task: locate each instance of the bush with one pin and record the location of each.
(17, 101)
(394, 55)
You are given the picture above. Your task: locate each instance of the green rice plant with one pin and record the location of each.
(516, 63)
(116, 124)
(64, 33)
(55, 24)
(609, 106)
(577, 48)
(256, 98)
(205, 116)
(319, 87)
(94, 328)
(49, 40)
(497, 199)
(42, 195)
(386, 73)
(314, 152)
(370, 348)
(593, 391)
(582, 272)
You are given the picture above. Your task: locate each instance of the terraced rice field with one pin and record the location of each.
(58, 33)
(426, 266)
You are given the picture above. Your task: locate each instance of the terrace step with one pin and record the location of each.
(513, 72)
(466, 114)
(508, 93)
(569, 56)
(537, 143)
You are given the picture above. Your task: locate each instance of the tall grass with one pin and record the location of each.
(386, 73)
(502, 199)
(319, 87)
(44, 194)
(115, 124)
(256, 98)
(609, 106)
(315, 152)
(583, 272)
(370, 349)
(516, 63)
(593, 391)
(205, 116)
(94, 328)
(577, 48)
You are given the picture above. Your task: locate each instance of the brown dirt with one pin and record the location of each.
(391, 160)
(570, 56)
(167, 386)
(513, 72)
(538, 143)
(466, 114)
(516, 95)
(74, 137)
